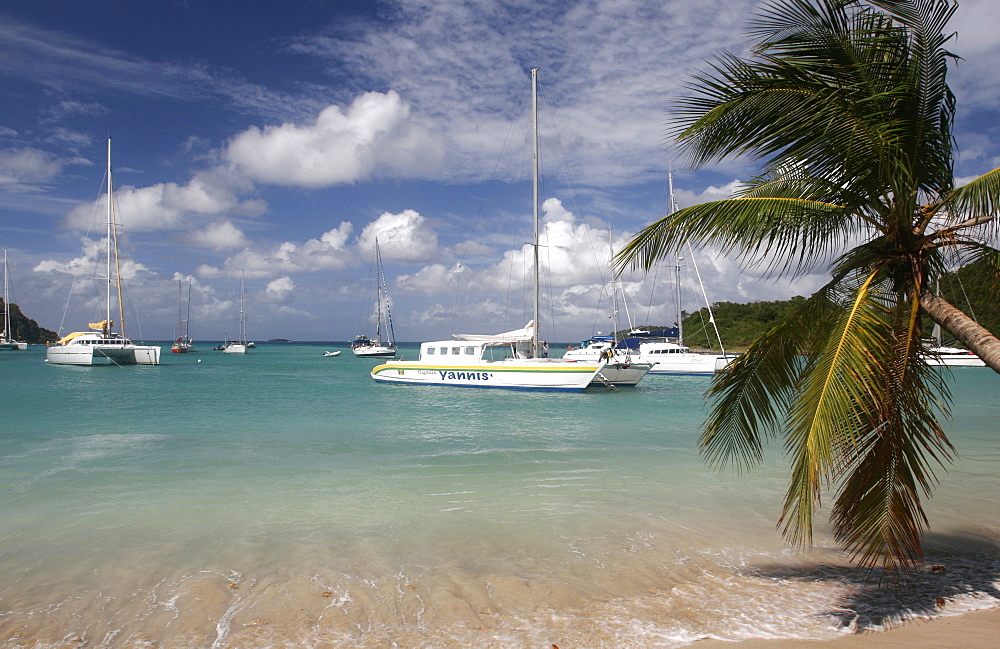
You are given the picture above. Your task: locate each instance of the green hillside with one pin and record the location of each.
(741, 323)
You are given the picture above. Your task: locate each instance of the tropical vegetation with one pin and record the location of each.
(846, 105)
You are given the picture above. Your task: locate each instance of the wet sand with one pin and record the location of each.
(975, 630)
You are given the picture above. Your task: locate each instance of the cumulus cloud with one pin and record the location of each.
(27, 166)
(327, 252)
(222, 235)
(91, 262)
(166, 206)
(280, 290)
(406, 236)
(374, 135)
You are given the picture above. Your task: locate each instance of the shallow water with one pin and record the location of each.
(284, 499)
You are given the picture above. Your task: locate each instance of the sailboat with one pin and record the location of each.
(938, 354)
(183, 344)
(367, 347)
(8, 342)
(513, 360)
(624, 367)
(674, 357)
(240, 345)
(101, 345)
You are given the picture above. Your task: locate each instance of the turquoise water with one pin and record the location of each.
(284, 499)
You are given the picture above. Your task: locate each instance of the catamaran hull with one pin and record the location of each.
(14, 346)
(507, 376)
(622, 374)
(96, 355)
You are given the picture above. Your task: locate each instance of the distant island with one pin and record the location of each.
(279, 340)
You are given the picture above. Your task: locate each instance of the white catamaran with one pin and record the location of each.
(513, 360)
(8, 342)
(101, 345)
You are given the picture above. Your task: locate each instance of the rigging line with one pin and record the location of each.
(604, 271)
(482, 204)
(711, 316)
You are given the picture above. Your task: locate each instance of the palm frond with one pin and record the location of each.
(878, 514)
(829, 410)
(801, 231)
(977, 202)
(750, 398)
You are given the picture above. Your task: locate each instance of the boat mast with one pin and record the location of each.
(378, 292)
(677, 268)
(6, 302)
(180, 311)
(243, 317)
(534, 187)
(107, 308)
(187, 321)
(382, 295)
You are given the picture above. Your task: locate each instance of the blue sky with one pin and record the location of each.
(282, 139)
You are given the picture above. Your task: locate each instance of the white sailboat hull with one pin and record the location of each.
(952, 357)
(13, 345)
(690, 364)
(374, 352)
(235, 348)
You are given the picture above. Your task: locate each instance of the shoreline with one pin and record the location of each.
(972, 630)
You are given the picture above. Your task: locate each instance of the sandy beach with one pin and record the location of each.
(975, 630)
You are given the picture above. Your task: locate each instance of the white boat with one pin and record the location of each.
(622, 367)
(7, 342)
(101, 345)
(938, 354)
(674, 357)
(490, 361)
(952, 357)
(367, 347)
(514, 360)
(183, 344)
(336, 353)
(240, 345)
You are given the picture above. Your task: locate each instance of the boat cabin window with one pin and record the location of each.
(456, 350)
(470, 351)
(430, 351)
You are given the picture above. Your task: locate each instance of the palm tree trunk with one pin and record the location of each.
(967, 330)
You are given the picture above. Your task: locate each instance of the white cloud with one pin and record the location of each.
(280, 290)
(328, 252)
(168, 206)
(91, 263)
(27, 166)
(406, 236)
(431, 279)
(374, 135)
(222, 235)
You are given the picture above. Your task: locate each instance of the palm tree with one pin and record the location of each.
(846, 103)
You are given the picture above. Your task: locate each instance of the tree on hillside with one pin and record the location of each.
(847, 105)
